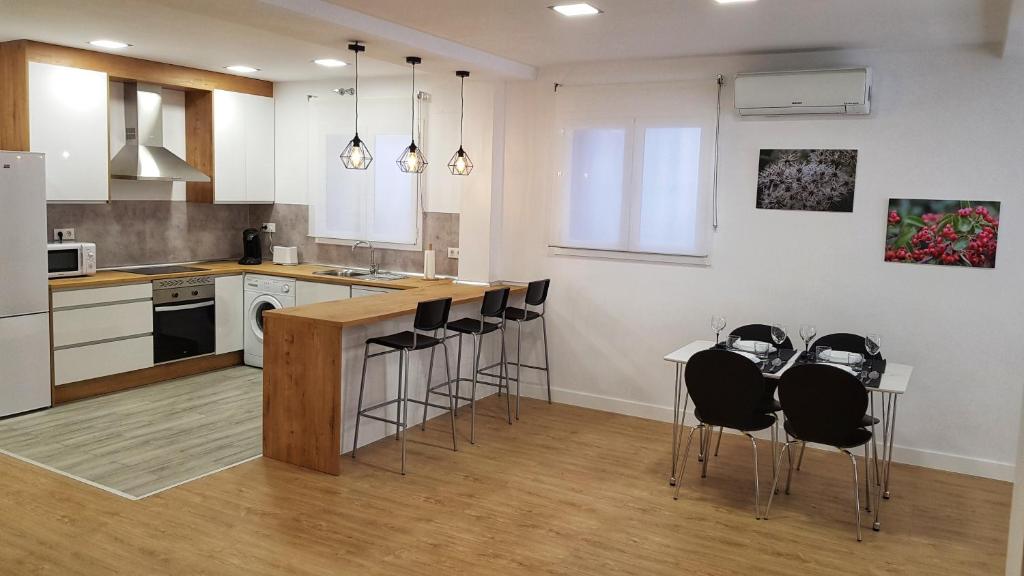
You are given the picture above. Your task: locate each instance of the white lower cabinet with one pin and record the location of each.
(103, 359)
(94, 323)
(230, 315)
(316, 292)
(370, 291)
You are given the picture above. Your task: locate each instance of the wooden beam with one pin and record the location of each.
(13, 96)
(126, 68)
(302, 394)
(136, 378)
(199, 143)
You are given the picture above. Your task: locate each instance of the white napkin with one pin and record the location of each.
(748, 345)
(843, 367)
(750, 357)
(841, 357)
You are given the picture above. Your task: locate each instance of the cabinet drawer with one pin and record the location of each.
(81, 325)
(89, 296)
(316, 292)
(95, 360)
(359, 291)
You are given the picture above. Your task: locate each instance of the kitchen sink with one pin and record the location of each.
(360, 274)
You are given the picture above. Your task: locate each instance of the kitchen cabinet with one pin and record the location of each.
(68, 120)
(360, 291)
(102, 331)
(243, 148)
(230, 314)
(316, 292)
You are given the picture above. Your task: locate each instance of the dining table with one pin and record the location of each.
(889, 388)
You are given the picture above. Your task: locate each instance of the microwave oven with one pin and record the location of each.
(71, 259)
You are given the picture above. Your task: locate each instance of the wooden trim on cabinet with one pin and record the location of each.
(136, 378)
(199, 151)
(126, 68)
(14, 127)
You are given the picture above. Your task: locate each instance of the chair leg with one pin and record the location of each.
(757, 484)
(452, 402)
(519, 360)
(508, 385)
(856, 490)
(682, 462)
(398, 406)
(472, 402)
(789, 473)
(775, 477)
(359, 405)
(458, 376)
(709, 432)
(405, 408)
(775, 442)
(547, 364)
(721, 430)
(426, 395)
(867, 479)
(800, 460)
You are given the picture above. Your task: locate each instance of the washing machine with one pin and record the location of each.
(262, 293)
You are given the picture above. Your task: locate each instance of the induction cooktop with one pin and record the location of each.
(156, 270)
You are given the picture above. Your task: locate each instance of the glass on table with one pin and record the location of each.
(822, 353)
(761, 350)
(807, 333)
(856, 361)
(718, 324)
(872, 343)
(732, 340)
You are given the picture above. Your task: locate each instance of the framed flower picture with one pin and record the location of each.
(942, 232)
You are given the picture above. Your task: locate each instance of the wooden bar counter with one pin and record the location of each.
(307, 352)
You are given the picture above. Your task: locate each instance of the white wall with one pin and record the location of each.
(469, 196)
(943, 125)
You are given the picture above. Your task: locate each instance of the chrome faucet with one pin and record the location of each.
(373, 260)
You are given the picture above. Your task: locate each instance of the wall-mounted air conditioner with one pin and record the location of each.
(846, 91)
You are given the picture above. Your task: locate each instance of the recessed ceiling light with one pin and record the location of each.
(734, 1)
(330, 62)
(109, 44)
(241, 69)
(579, 9)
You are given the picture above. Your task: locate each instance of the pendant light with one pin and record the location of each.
(412, 159)
(356, 156)
(460, 164)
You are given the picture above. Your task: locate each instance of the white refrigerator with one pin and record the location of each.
(24, 294)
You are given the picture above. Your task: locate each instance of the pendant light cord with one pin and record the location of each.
(462, 109)
(357, 91)
(412, 123)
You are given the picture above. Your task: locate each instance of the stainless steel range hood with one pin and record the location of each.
(144, 156)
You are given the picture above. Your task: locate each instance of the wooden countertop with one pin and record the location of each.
(376, 308)
(227, 267)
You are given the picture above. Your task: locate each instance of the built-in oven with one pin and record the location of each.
(184, 323)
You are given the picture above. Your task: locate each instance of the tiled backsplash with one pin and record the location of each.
(292, 220)
(129, 233)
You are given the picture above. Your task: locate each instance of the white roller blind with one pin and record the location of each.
(634, 168)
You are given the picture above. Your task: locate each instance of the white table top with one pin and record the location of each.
(895, 379)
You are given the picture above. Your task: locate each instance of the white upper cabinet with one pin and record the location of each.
(68, 122)
(243, 147)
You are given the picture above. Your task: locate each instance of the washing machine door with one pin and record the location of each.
(254, 316)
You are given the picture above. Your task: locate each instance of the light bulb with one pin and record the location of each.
(357, 156)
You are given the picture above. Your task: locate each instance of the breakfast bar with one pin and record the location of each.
(313, 359)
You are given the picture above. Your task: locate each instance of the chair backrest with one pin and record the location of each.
(843, 341)
(432, 315)
(822, 403)
(495, 302)
(537, 292)
(726, 388)
(760, 332)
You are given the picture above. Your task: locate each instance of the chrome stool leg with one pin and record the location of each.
(452, 402)
(426, 394)
(359, 405)
(398, 406)
(547, 364)
(519, 351)
(404, 407)
(472, 402)
(504, 373)
(458, 376)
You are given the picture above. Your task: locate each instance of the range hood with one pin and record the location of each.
(144, 156)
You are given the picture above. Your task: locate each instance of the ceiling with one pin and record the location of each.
(526, 31)
(496, 38)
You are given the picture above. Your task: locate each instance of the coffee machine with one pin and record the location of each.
(252, 247)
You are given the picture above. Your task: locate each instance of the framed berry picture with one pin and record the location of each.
(943, 232)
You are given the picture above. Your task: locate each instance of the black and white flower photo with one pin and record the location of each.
(815, 180)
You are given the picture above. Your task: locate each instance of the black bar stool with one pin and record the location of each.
(432, 317)
(493, 307)
(536, 296)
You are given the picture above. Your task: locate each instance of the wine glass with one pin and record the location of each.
(778, 332)
(807, 333)
(718, 324)
(873, 343)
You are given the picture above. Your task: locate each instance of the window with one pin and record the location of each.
(380, 204)
(634, 187)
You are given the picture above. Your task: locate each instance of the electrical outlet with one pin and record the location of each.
(64, 233)
(453, 252)
(269, 227)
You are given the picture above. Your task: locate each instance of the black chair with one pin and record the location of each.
(430, 317)
(825, 405)
(845, 342)
(727, 391)
(536, 296)
(493, 307)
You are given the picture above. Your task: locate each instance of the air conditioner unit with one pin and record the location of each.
(846, 91)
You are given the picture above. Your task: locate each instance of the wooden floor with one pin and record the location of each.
(147, 439)
(564, 491)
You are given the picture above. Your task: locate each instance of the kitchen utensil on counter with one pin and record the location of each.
(252, 247)
(286, 255)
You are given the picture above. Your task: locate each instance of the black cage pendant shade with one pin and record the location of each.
(460, 164)
(356, 156)
(412, 160)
